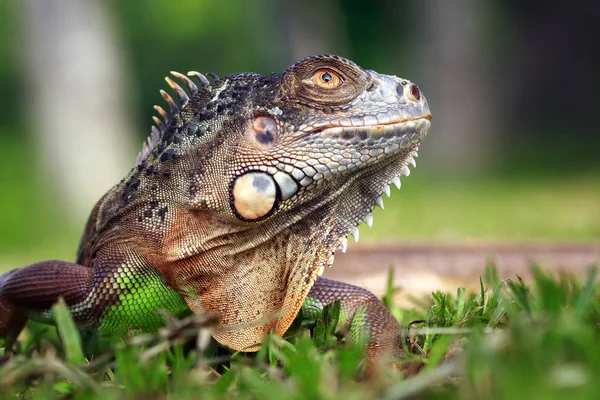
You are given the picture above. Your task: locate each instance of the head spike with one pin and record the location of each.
(154, 133)
(386, 190)
(161, 126)
(172, 106)
(142, 155)
(188, 82)
(181, 94)
(330, 260)
(369, 220)
(163, 113)
(214, 76)
(200, 77)
(354, 233)
(343, 245)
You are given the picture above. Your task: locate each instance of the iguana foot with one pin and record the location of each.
(364, 319)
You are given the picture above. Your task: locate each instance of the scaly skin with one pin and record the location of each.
(239, 200)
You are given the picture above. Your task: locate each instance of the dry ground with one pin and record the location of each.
(420, 269)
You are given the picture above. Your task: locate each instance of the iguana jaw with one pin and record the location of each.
(348, 221)
(341, 243)
(374, 157)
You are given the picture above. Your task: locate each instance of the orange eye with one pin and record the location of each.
(326, 78)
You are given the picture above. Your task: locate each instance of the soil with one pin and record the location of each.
(420, 269)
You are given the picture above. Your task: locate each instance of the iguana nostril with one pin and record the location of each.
(400, 90)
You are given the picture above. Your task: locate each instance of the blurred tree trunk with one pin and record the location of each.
(78, 112)
(313, 27)
(454, 70)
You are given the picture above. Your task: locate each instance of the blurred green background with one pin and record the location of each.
(513, 153)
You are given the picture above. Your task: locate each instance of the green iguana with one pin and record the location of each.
(239, 199)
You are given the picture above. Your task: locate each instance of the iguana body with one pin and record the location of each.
(239, 200)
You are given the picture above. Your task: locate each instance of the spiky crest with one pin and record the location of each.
(159, 127)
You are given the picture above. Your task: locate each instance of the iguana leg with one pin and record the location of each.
(363, 317)
(36, 288)
(111, 297)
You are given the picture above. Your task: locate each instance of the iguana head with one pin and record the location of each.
(280, 170)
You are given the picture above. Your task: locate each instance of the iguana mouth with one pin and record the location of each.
(407, 131)
(383, 125)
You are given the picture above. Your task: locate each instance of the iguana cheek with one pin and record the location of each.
(286, 184)
(254, 195)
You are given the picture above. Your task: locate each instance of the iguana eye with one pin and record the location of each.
(327, 78)
(324, 81)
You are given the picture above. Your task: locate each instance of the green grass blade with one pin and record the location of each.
(68, 333)
(327, 324)
(587, 294)
(461, 297)
(388, 297)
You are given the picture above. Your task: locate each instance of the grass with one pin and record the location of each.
(511, 340)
